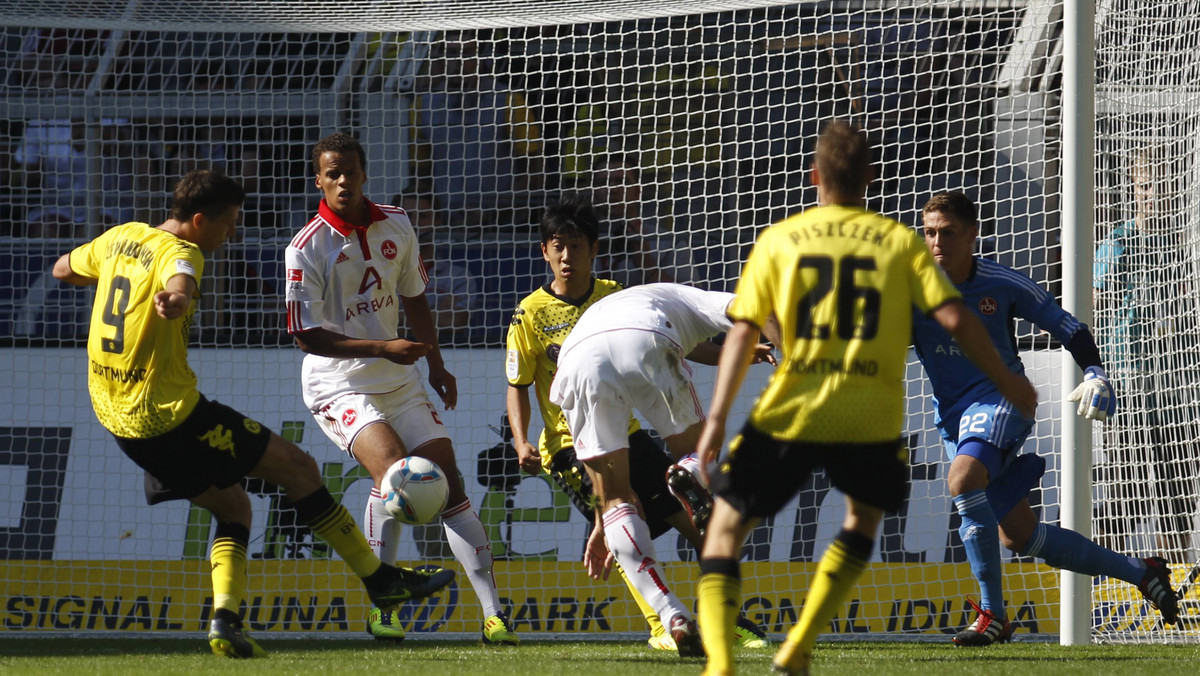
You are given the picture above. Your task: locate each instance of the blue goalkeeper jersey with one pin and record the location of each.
(998, 295)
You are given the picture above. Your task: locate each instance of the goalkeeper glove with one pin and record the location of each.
(1095, 395)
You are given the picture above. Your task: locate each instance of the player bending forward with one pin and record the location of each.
(192, 448)
(842, 281)
(345, 272)
(983, 433)
(570, 241)
(628, 352)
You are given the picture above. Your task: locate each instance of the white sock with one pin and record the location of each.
(381, 529)
(691, 462)
(469, 542)
(629, 540)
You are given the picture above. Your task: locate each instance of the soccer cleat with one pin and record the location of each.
(686, 635)
(749, 635)
(662, 642)
(407, 584)
(383, 626)
(985, 630)
(791, 660)
(229, 639)
(1156, 587)
(498, 630)
(695, 498)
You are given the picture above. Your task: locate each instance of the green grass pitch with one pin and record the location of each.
(424, 657)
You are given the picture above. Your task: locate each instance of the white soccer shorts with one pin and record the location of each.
(604, 377)
(408, 410)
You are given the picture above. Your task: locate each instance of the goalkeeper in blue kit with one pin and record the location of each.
(989, 479)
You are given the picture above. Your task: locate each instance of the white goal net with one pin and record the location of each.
(691, 125)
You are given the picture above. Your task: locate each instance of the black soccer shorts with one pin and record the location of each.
(215, 446)
(761, 474)
(648, 463)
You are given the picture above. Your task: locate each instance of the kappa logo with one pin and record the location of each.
(388, 249)
(220, 439)
(988, 305)
(349, 416)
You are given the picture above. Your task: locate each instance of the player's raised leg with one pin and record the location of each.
(1068, 550)
(285, 464)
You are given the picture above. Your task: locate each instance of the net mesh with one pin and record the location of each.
(1146, 296)
(692, 129)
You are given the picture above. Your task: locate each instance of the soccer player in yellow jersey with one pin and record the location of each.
(190, 447)
(842, 281)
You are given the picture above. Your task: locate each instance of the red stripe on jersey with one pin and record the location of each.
(306, 233)
(424, 270)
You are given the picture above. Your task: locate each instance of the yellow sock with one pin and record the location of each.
(337, 527)
(652, 619)
(228, 559)
(719, 598)
(836, 576)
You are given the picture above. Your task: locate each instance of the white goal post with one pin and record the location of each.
(691, 124)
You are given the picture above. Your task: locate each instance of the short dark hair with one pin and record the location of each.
(205, 192)
(955, 205)
(571, 215)
(844, 159)
(337, 142)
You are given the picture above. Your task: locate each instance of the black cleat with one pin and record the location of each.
(696, 499)
(985, 630)
(229, 639)
(1156, 587)
(407, 584)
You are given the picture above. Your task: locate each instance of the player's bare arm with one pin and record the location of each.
(327, 343)
(517, 405)
(173, 301)
(738, 352)
(973, 338)
(420, 322)
(709, 353)
(597, 558)
(62, 272)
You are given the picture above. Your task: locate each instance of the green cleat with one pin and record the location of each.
(229, 639)
(662, 642)
(498, 630)
(382, 625)
(749, 635)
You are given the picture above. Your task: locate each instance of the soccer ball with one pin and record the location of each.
(414, 490)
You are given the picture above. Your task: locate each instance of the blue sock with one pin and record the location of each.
(1068, 550)
(982, 542)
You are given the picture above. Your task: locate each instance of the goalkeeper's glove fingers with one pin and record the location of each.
(1095, 395)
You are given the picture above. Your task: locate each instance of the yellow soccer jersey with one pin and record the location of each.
(842, 282)
(138, 375)
(538, 328)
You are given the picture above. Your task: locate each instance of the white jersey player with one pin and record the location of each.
(349, 272)
(628, 352)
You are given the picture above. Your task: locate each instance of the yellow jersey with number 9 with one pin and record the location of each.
(138, 376)
(842, 282)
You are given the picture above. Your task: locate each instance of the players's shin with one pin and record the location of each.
(228, 559)
(629, 540)
(720, 595)
(469, 542)
(836, 576)
(981, 541)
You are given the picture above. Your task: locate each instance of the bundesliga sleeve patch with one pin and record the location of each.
(295, 275)
(184, 267)
(510, 365)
